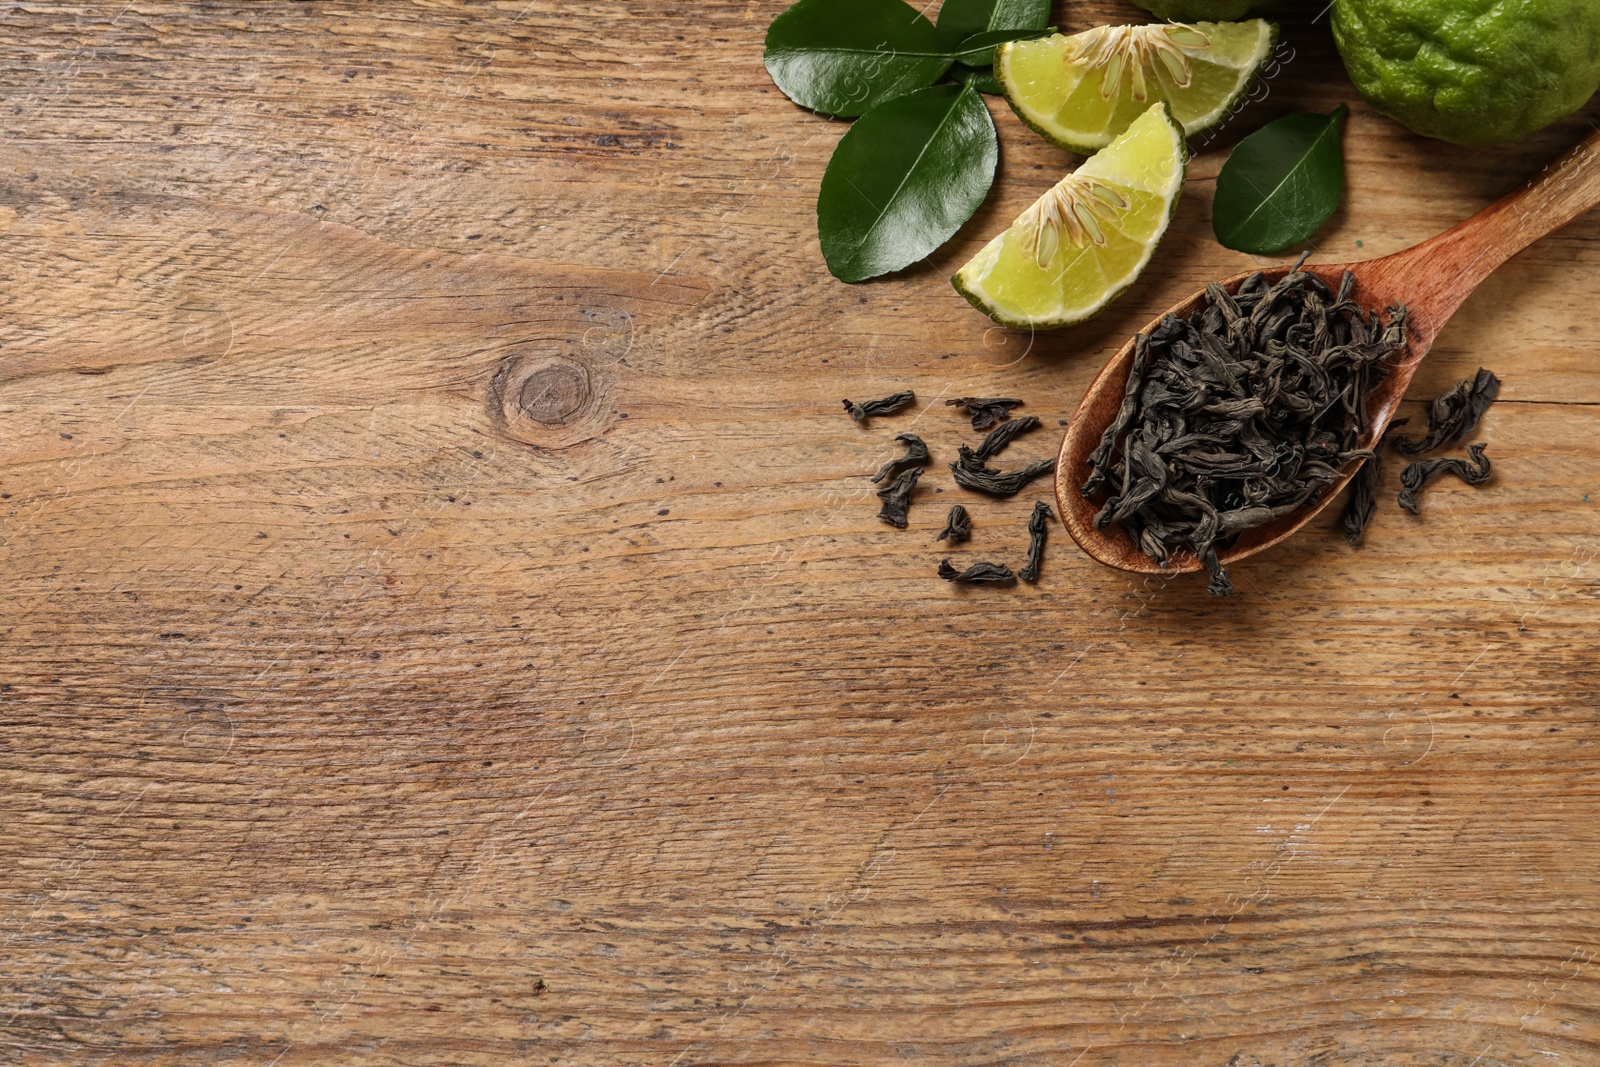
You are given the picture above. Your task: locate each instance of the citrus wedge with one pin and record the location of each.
(1081, 92)
(1086, 240)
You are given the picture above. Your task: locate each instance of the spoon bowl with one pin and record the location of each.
(1431, 280)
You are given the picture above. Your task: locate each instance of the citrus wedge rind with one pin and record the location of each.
(1086, 240)
(1082, 91)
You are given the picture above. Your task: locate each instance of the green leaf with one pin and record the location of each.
(1281, 184)
(980, 78)
(978, 50)
(904, 179)
(843, 57)
(960, 19)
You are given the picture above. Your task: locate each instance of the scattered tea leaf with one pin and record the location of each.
(1003, 435)
(978, 574)
(916, 456)
(844, 57)
(972, 473)
(958, 527)
(985, 411)
(1038, 533)
(1358, 511)
(897, 498)
(1363, 501)
(889, 405)
(1454, 414)
(1414, 477)
(1281, 183)
(960, 19)
(904, 179)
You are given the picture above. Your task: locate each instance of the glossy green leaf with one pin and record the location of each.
(904, 179)
(960, 19)
(980, 78)
(844, 57)
(1280, 184)
(978, 50)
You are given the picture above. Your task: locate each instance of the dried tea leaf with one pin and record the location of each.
(972, 473)
(958, 527)
(1003, 435)
(985, 411)
(1363, 502)
(916, 456)
(978, 574)
(1038, 533)
(1475, 471)
(889, 405)
(897, 498)
(1455, 413)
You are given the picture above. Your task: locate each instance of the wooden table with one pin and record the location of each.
(445, 620)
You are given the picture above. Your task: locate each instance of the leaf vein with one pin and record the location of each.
(883, 213)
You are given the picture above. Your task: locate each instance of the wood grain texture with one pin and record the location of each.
(445, 623)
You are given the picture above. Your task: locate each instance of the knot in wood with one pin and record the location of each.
(555, 393)
(547, 400)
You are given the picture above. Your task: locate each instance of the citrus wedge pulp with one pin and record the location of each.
(1081, 92)
(1086, 240)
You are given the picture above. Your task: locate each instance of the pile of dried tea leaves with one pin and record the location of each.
(1240, 414)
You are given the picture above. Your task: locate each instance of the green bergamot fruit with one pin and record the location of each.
(1469, 71)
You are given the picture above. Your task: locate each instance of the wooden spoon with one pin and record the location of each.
(1432, 280)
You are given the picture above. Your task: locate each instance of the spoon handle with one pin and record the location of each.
(1444, 271)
